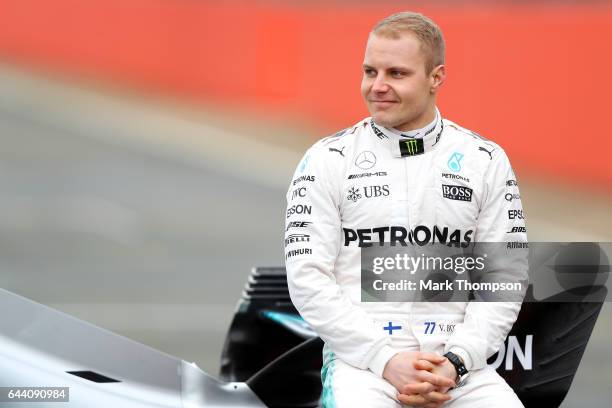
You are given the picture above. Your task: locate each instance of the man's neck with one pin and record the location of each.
(421, 131)
(424, 120)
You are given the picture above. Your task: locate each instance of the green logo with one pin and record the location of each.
(412, 146)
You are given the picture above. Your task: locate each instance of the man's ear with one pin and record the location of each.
(437, 77)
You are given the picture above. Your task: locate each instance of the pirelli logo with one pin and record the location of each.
(293, 238)
(411, 147)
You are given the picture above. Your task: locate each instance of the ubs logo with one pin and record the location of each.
(365, 160)
(376, 191)
(368, 191)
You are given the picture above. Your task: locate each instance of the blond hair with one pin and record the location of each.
(428, 33)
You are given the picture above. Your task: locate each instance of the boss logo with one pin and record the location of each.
(459, 193)
(515, 230)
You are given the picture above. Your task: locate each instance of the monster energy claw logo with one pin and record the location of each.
(411, 147)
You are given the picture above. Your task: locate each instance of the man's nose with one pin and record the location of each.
(380, 85)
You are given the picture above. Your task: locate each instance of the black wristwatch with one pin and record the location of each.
(462, 372)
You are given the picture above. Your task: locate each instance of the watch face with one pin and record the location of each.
(462, 380)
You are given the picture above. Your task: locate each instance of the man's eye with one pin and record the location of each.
(369, 72)
(397, 74)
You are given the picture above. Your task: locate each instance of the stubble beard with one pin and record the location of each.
(393, 119)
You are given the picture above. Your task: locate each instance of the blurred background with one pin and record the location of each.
(146, 145)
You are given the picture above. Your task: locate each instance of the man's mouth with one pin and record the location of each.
(382, 103)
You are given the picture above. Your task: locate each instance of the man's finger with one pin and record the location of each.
(433, 405)
(440, 381)
(418, 388)
(419, 400)
(414, 400)
(424, 365)
(436, 396)
(433, 357)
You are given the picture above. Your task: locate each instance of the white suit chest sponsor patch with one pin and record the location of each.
(354, 193)
(459, 193)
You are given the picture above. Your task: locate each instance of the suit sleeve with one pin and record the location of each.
(488, 321)
(312, 244)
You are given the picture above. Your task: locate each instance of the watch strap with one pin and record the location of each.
(457, 363)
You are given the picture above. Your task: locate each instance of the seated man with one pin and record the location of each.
(403, 173)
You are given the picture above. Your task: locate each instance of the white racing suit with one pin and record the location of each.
(369, 184)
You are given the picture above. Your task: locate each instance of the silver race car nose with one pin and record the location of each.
(41, 347)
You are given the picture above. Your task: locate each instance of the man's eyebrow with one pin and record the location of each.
(400, 68)
(394, 68)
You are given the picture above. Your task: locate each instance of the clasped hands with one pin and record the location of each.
(422, 378)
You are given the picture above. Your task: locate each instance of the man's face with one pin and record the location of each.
(396, 89)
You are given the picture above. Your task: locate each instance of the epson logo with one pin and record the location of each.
(459, 193)
(298, 192)
(356, 176)
(303, 178)
(420, 235)
(293, 238)
(299, 209)
(506, 354)
(517, 229)
(514, 214)
(297, 224)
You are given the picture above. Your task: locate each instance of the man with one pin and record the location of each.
(404, 172)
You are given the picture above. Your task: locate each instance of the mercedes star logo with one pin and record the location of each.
(366, 160)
